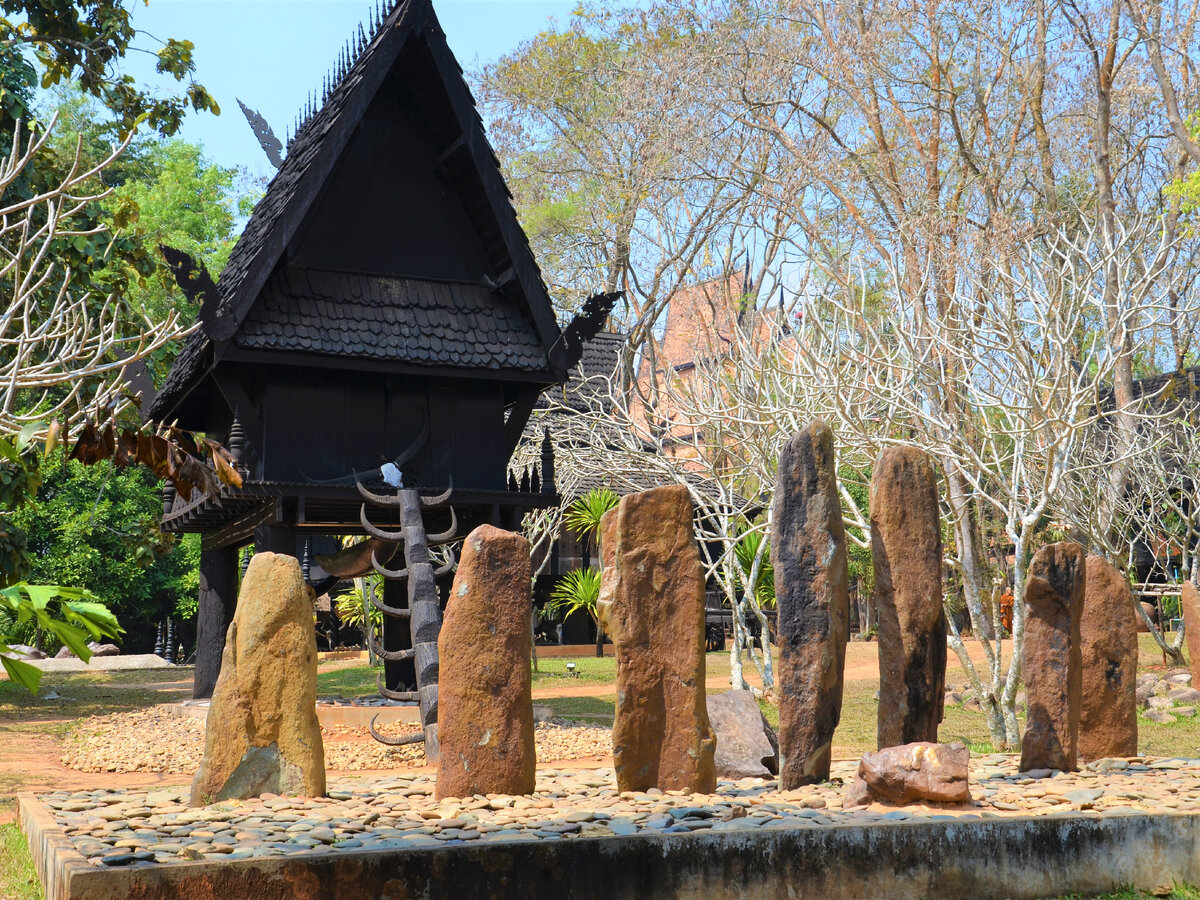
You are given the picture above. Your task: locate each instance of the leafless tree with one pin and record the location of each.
(64, 352)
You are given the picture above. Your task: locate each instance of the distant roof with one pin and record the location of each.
(582, 391)
(599, 362)
(265, 301)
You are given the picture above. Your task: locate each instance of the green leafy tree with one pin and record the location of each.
(577, 591)
(747, 550)
(85, 40)
(79, 615)
(69, 615)
(583, 518)
(584, 515)
(96, 527)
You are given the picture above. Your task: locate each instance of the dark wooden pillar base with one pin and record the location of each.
(400, 675)
(217, 602)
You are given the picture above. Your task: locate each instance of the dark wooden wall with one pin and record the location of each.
(322, 424)
(400, 218)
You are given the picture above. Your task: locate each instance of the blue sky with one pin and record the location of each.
(272, 53)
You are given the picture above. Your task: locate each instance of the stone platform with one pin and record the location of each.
(1126, 822)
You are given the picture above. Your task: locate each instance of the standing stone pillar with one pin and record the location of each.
(654, 611)
(1189, 605)
(214, 612)
(1109, 652)
(808, 553)
(485, 716)
(906, 550)
(262, 732)
(1051, 657)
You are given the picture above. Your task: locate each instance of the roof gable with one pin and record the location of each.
(445, 171)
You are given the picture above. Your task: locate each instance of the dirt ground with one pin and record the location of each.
(31, 739)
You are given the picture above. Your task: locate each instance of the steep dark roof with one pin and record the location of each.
(426, 322)
(409, 45)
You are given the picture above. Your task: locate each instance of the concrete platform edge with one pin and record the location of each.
(55, 858)
(1026, 857)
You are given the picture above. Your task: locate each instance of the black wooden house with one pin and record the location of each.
(382, 294)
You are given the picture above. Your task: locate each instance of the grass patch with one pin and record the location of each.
(586, 709)
(552, 672)
(1178, 892)
(352, 681)
(18, 880)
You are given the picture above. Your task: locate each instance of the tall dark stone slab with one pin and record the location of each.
(808, 552)
(906, 549)
(1051, 657)
(1109, 651)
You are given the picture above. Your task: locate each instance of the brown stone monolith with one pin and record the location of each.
(1051, 657)
(1109, 653)
(654, 591)
(906, 549)
(262, 733)
(808, 553)
(1189, 605)
(485, 708)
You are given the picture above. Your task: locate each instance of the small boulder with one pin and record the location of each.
(1160, 702)
(1184, 694)
(746, 743)
(64, 653)
(911, 773)
(24, 651)
(104, 649)
(1161, 716)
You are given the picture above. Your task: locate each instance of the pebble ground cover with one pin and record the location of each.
(135, 827)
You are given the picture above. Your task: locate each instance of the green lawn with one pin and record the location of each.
(588, 670)
(18, 881)
(1179, 892)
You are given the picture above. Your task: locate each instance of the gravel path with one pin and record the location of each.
(121, 828)
(153, 740)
